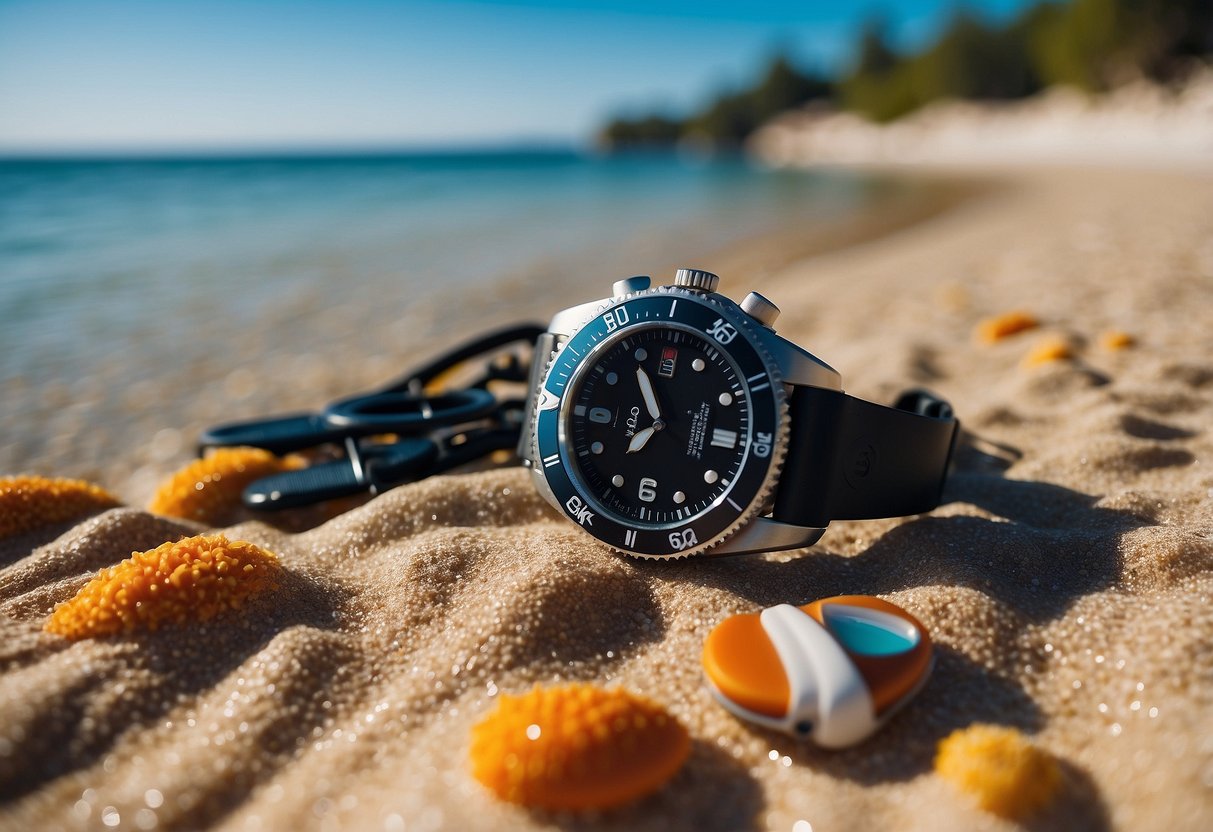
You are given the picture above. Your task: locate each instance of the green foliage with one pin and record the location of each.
(651, 130)
(1091, 44)
(730, 118)
(875, 55)
(1078, 45)
(970, 60)
(1088, 44)
(880, 87)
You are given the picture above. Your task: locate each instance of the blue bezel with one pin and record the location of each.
(760, 383)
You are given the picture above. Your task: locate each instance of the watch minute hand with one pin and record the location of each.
(646, 390)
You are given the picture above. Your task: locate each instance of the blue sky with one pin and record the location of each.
(227, 75)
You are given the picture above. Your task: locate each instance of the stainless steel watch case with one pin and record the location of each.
(793, 366)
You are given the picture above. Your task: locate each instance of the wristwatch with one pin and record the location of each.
(670, 421)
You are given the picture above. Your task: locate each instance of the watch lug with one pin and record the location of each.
(545, 490)
(545, 346)
(797, 365)
(762, 534)
(568, 321)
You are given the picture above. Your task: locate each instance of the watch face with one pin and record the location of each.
(658, 423)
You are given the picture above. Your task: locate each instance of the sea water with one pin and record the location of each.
(151, 258)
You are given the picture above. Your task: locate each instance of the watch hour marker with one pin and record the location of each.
(697, 365)
(596, 448)
(722, 438)
(612, 378)
(679, 497)
(629, 537)
(726, 399)
(641, 353)
(710, 476)
(600, 415)
(579, 410)
(617, 481)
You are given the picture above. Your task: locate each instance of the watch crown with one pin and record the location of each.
(696, 279)
(760, 309)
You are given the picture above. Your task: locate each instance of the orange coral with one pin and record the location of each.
(1114, 339)
(1048, 350)
(1006, 773)
(28, 503)
(999, 327)
(576, 747)
(191, 580)
(209, 489)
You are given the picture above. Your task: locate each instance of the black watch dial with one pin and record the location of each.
(658, 425)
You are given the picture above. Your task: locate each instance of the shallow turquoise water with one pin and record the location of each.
(149, 258)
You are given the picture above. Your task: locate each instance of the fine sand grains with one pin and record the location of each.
(1066, 582)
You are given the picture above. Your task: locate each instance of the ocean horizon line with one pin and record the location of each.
(308, 153)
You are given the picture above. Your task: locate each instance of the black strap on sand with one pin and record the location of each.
(849, 459)
(411, 428)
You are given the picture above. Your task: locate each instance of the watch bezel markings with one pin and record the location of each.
(694, 534)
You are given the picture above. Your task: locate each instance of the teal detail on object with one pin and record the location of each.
(868, 638)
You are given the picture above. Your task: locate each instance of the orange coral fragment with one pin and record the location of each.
(1006, 773)
(1114, 339)
(209, 489)
(28, 503)
(190, 580)
(1047, 351)
(577, 747)
(999, 327)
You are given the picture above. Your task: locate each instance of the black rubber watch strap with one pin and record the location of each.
(849, 459)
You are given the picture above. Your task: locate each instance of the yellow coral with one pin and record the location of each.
(1048, 350)
(209, 489)
(28, 503)
(576, 747)
(1114, 339)
(1006, 773)
(1003, 326)
(191, 580)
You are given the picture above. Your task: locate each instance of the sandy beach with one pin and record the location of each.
(1066, 580)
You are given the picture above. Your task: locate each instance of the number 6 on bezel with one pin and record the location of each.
(723, 332)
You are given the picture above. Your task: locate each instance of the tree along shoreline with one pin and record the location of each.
(1092, 45)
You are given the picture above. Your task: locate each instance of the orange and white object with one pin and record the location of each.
(834, 670)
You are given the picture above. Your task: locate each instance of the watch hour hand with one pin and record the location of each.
(646, 390)
(640, 440)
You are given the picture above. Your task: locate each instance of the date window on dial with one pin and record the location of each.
(669, 361)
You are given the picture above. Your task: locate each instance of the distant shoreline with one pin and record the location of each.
(1137, 125)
